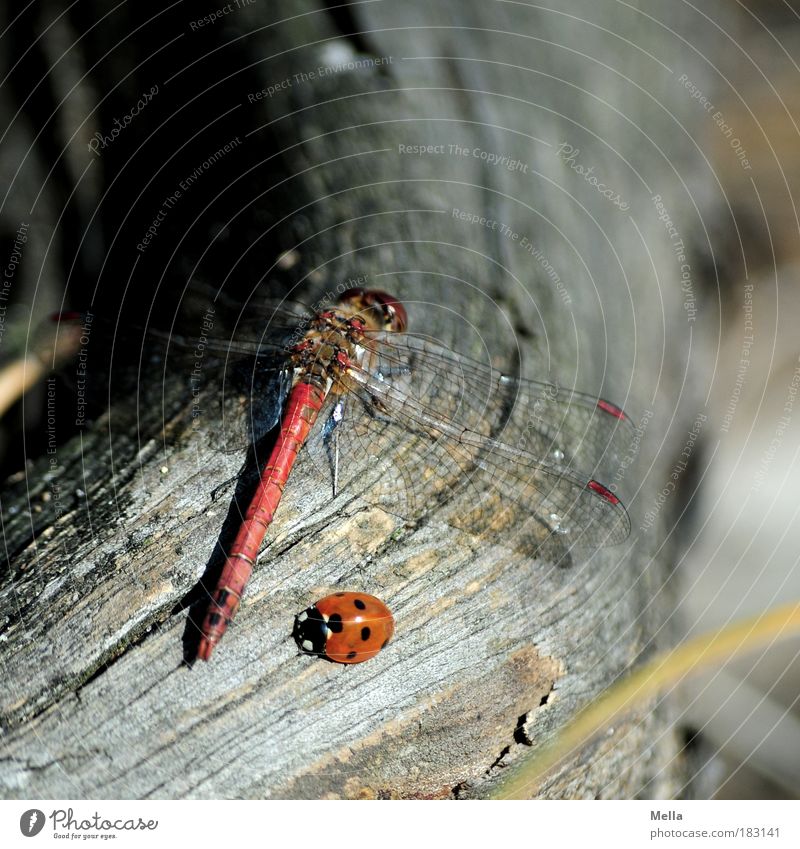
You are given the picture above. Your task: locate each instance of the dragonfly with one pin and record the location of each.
(415, 423)
(413, 426)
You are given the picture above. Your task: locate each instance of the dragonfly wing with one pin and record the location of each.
(268, 390)
(252, 338)
(540, 417)
(232, 367)
(247, 300)
(511, 459)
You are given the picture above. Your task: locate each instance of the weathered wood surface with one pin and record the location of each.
(493, 651)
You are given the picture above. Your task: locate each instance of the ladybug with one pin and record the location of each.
(345, 627)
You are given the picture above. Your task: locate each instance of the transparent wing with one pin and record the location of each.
(256, 326)
(250, 360)
(512, 459)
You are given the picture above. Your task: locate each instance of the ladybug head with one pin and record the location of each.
(310, 631)
(380, 310)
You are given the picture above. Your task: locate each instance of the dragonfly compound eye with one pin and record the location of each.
(355, 296)
(394, 313)
(376, 306)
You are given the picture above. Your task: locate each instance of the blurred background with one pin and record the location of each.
(742, 537)
(736, 532)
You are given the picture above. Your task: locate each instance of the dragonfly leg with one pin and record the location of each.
(396, 371)
(215, 493)
(330, 439)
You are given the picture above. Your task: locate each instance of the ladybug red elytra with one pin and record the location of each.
(345, 627)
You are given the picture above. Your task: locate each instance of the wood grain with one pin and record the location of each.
(493, 651)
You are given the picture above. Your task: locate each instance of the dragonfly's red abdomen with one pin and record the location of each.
(302, 408)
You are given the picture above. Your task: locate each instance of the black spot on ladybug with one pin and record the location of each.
(351, 655)
(214, 618)
(384, 644)
(365, 632)
(335, 623)
(222, 597)
(360, 604)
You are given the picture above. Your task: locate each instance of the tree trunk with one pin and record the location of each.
(566, 278)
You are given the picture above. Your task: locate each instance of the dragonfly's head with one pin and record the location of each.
(379, 310)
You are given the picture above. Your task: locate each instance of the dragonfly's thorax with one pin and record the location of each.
(332, 344)
(337, 339)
